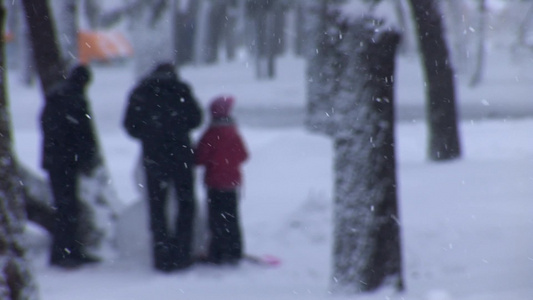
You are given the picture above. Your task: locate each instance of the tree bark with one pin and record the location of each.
(16, 280)
(215, 28)
(230, 32)
(299, 28)
(480, 36)
(353, 82)
(265, 39)
(440, 92)
(184, 33)
(367, 252)
(261, 25)
(50, 66)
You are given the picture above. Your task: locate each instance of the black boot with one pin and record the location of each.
(162, 257)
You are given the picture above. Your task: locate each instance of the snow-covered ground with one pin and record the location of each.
(467, 225)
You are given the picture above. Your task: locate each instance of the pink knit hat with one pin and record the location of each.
(221, 106)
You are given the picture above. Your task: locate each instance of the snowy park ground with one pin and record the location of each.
(467, 225)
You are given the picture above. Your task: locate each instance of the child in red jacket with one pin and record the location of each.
(221, 151)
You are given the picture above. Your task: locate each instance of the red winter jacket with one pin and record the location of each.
(222, 151)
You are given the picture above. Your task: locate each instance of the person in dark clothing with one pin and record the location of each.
(161, 113)
(221, 151)
(69, 149)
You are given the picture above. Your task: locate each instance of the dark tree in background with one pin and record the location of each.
(477, 77)
(43, 39)
(184, 32)
(440, 87)
(299, 27)
(267, 34)
(16, 280)
(215, 18)
(354, 82)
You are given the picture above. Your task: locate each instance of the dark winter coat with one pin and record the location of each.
(222, 151)
(68, 137)
(161, 113)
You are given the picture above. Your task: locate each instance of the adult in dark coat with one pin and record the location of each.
(161, 113)
(69, 149)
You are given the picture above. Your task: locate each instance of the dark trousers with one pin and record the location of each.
(63, 182)
(171, 250)
(226, 239)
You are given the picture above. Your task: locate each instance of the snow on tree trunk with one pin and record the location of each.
(367, 241)
(16, 280)
(96, 194)
(357, 79)
(440, 88)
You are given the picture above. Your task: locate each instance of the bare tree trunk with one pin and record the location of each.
(480, 36)
(16, 280)
(352, 89)
(265, 38)
(273, 47)
(185, 33)
(442, 113)
(278, 36)
(230, 32)
(369, 257)
(299, 32)
(50, 67)
(261, 25)
(215, 26)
